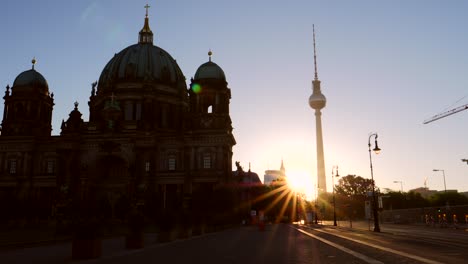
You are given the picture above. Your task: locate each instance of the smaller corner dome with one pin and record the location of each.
(210, 70)
(31, 78)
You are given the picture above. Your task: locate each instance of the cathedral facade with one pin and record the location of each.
(147, 133)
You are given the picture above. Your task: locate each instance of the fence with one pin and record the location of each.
(457, 214)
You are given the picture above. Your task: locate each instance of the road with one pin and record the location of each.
(277, 244)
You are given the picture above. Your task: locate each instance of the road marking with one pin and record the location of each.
(397, 252)
(347, 250)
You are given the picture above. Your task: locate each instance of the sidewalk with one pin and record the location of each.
(369, 226)
(40, 246)
(61, 252)
(29, 237)
(25, 237)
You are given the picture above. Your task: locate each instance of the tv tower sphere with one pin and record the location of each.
(317, 100)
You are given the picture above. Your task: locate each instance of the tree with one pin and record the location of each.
(351, 192)
(352, 185)
(402, 200)
(452, 198)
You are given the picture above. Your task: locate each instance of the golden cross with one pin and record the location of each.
(147, 6)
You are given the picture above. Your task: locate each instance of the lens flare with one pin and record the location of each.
(301, 182)
(196, 88)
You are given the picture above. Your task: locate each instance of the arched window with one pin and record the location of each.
(171, 163)
(207, 161)
(138, 111)
(147, 166)
(50, 167)
(13, 166)
(210, 109)
(128, 110)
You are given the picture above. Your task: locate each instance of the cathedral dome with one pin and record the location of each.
(210, 70)
(30, 79)
(142, 62)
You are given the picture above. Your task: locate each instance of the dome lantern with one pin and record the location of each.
(146, 35)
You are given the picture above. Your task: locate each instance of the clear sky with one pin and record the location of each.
(385, 66)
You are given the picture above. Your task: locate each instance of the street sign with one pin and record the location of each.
(367, 208)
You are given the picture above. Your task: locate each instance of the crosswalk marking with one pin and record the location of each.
(397, 252)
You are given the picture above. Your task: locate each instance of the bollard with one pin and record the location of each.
(261, 226)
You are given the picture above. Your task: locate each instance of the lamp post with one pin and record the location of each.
(401, 184)
(333, 185)
(316, 206)
(374, 197)
(443, 173)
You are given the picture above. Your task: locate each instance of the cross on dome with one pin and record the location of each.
(146, 35)
(147, 7)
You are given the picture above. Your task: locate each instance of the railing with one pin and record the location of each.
(418, 215)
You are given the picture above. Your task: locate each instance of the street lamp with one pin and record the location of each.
(374, 197)
(401, 184)
(333, 185)
(443, 173)
(316, 205)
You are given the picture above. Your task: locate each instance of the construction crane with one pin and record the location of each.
(445, 114)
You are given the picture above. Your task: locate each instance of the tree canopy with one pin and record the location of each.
(352, 185)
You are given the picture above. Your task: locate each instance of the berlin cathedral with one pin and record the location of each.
(148, 132)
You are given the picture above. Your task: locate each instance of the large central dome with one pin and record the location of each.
(142, 63)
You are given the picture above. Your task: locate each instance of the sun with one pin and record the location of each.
(301, 182)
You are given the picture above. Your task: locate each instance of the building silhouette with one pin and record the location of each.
(274, 175)
(147, 133)
(243, 178)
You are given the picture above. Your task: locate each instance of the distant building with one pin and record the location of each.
(424, 191)
(273, 175)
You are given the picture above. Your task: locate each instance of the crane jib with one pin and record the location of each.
(447, 113)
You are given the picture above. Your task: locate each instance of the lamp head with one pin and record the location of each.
(376, 149)
(435, 170)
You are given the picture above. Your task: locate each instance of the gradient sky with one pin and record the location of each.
(384, 67)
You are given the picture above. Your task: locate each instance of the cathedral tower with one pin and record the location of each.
(28, 109)
(209, 107)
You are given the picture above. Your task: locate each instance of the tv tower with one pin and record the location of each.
(318, 101)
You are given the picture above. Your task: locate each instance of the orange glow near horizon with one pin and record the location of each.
(285, 195)
(301, 182)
